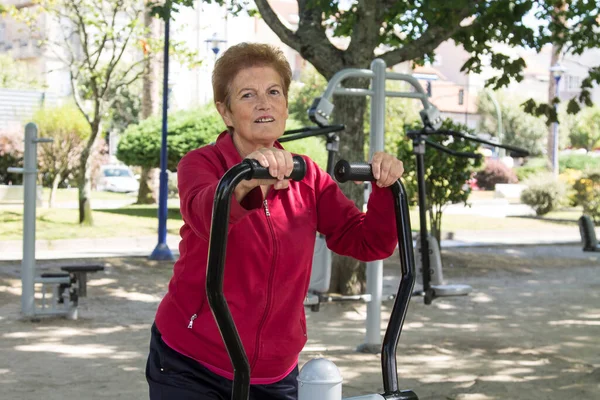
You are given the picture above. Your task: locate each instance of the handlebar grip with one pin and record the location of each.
(260, 172)
(358, 171)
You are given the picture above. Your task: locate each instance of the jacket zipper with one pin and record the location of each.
(270, 284)
(191, 324)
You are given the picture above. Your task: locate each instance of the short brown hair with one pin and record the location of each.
(246, 55)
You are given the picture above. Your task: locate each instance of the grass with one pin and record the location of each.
(62, 223)
(141, 220)
(453, 222)
(71, 195)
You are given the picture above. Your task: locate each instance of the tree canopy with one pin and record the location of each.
(411, 31)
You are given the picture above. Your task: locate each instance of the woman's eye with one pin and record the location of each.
(274, 91)
(246, 95)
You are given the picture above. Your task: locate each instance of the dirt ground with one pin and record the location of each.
(530, 330)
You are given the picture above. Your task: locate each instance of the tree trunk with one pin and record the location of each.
(348, 274)
(145, 193)
(55, 182)
(84, 183)
(560, 6)
(150, 94)
(551, 94)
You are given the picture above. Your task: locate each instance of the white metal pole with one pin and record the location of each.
(375, 269)
(29, 204)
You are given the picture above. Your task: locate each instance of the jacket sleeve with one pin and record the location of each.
(366, 236)
(197, 180)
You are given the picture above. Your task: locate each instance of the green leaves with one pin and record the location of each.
(446, 176)
(187, 130)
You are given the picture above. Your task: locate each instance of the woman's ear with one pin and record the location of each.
(225, 113)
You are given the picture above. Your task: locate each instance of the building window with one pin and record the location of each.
(572, 83)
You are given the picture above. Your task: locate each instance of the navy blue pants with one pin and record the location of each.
(173, 376)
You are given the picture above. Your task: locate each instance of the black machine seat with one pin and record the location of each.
(79, 273)
(54, 275)
(588, 234)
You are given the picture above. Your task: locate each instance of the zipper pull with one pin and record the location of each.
(192, 321)
(266, 208)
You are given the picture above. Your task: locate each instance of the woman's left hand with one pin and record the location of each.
(387, 169)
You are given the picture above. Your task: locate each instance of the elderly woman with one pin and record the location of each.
(273, 225)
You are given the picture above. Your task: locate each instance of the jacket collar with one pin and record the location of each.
(226, 147)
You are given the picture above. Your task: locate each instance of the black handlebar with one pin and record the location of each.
(345, 171)
(455, 153)
(260, 172)
(516, 151)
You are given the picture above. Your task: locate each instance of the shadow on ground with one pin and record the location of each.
(528, 331)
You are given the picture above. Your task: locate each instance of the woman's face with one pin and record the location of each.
(258, 109)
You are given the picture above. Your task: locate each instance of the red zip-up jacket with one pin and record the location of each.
(268, 264)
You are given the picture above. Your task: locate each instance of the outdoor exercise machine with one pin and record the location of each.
(428, 248)
(320, 112)
(318, 379)
(60, 291)
(320, 277)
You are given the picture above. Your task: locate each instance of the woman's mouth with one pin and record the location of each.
(263, 120)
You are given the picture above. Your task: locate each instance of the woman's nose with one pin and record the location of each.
(262, 102)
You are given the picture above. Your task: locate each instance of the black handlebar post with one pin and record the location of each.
(295, 134)
(247, 169)
(345, 171)
(420, 141)
(328, 130)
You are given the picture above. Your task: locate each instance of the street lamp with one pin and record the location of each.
(215, 44)
(557, 71)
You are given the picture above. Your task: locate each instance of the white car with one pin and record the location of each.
(117, 178)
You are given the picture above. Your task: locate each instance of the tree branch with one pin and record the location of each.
(78, 102)
(365, 32)
(121, 81)
(114, 62)
(272, 20)
(429, 41)
(314, 43)
(85, 45)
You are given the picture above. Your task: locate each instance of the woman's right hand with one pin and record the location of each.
(280, 164)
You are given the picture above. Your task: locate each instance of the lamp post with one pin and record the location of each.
(557, 71)
(162, 251)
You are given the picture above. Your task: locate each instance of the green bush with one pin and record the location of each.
(532, 166)
(580, 162)
(544, 193)
(187, 130)
(587, 194)
(526, 171)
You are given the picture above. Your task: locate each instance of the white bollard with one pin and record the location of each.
(319, 379)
